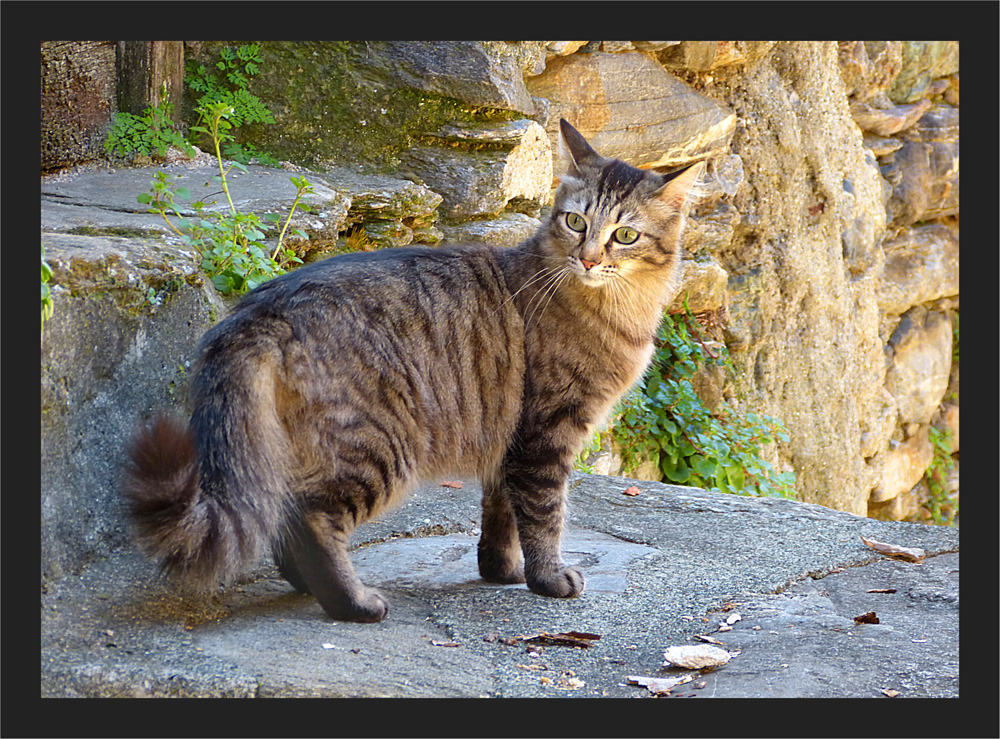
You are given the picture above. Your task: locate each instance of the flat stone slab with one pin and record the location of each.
(663, 568)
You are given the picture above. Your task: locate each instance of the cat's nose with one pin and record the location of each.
(587, 264)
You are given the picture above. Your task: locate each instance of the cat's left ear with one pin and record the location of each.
(576, 147)
(682, 186)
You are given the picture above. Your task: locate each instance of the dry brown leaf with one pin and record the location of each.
(452, 484)
(563, 639)
(631, 491)
(889, 692)
(658, 685)
(891, 550)
(882, 590)
(867, 618)
(445, 643)
(709, 639)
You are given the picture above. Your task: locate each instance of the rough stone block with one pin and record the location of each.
(869, 67)
(921, 361)
(508, 229)
(922, 62)
(479, 73)
(880, 426)
(514, 163)
(704, 286)
(128, 316)
(629, 107)
(921, 264)
(903, 466)
(701, 56)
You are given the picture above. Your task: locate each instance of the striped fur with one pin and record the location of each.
(332, 391)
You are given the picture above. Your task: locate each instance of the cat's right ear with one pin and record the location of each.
(576, 148)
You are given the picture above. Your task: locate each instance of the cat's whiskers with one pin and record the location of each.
(543, 297)
(540, 275)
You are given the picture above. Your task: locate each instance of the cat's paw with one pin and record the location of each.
(563, 583)
(497, 567)
(366, 606)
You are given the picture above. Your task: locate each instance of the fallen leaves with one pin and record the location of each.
(867, 618)
(881, 590)
(631, 491)
(451, 484)
(435, 643)
(562, 639)
(896, 552)
(659, 685)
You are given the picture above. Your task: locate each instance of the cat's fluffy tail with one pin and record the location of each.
(209, 498)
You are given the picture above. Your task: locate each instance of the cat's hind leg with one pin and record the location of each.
(314, 558)
(286, 562)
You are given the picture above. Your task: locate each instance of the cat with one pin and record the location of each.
(331, 391)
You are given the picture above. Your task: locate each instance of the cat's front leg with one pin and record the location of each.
(536, 485)
(499, 545)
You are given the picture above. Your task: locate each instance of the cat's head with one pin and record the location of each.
(612, 222)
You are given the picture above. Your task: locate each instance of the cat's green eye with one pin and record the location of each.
(626, 235)
(575, 222)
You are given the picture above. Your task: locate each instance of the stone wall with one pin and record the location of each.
(826, 246)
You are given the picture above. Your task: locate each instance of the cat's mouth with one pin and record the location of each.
(592, 280)
(597, 276)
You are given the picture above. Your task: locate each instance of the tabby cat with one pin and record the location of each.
(332, 391)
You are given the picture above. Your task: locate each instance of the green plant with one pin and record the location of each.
(229, 83)
(230, 243)
(665, 420)
(245, 153)
(941, 507)
(48, 307)
(150, 134)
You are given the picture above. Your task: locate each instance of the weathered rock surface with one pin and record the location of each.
(869, 67)
(508, 229)
(792, 302)
(921, 360)
(479, 73)
(128, 315)
(921, 265)
(703, 284)
(889, 121)
(702, 56)
(394, 211)
(659, 568)
(902, 467)
(924, 172)
(517, 165)
(922, 62)
(631, 108)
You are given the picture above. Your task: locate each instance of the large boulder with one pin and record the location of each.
(128, 313)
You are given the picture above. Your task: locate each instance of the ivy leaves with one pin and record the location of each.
(666, 421)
